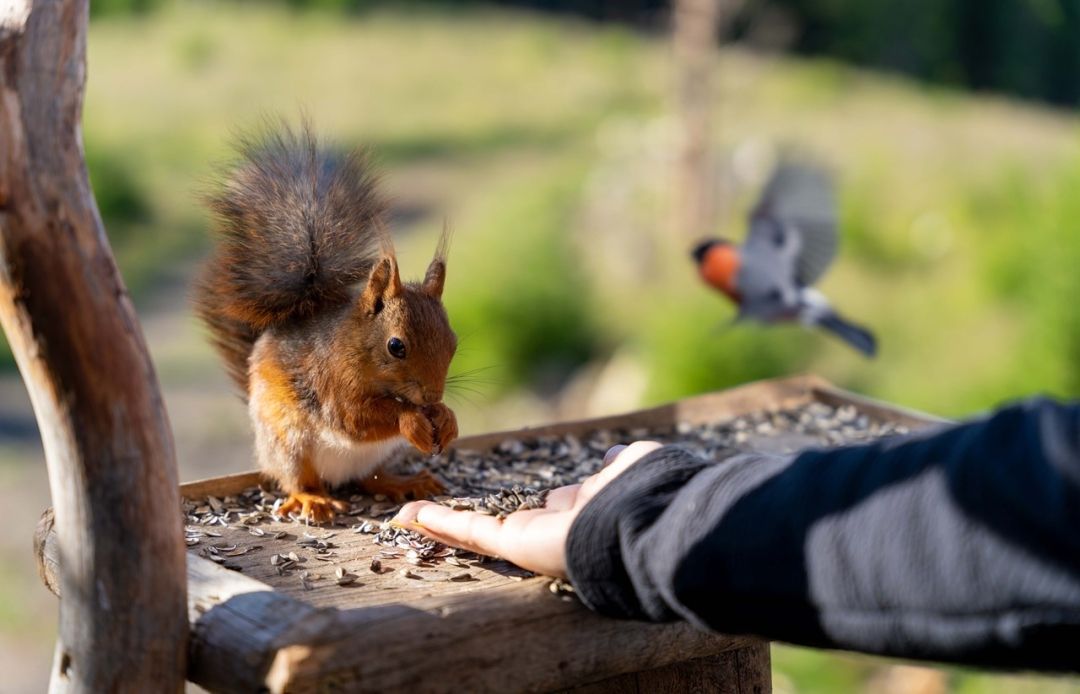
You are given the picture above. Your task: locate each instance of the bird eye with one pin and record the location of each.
(396, 347)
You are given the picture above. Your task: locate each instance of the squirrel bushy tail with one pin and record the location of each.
(298, 225)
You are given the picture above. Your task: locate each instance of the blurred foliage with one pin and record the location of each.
(127, 215)
(1023, 47)
(522, 319)
(121, 202)
(100, 8)
(959, 218)
(816, 672)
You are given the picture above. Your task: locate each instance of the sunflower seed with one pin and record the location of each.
(343, 577)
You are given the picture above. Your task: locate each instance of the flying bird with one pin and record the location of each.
(791, 243)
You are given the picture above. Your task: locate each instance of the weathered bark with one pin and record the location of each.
(696, 25)
(112, 469)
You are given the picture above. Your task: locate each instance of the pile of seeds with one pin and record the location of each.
(554, 461)
(501, 503)
(514, 476)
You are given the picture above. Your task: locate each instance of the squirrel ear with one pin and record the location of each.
(434, 279)
(383, 283)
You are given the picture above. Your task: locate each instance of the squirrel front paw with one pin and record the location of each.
(430, 429)
(445, 423)
(417, 430)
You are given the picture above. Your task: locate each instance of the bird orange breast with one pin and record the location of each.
(719, 268)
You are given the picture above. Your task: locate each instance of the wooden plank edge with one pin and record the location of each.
(878, 409)
(221, 486)
(515, 638)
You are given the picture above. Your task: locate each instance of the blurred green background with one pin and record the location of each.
(547, 141)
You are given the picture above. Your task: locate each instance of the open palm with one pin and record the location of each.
(534, 539)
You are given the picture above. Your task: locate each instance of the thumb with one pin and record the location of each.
(624, 458)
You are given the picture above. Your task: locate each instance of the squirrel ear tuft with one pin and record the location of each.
(383, 283)
(434, 279)
(436, 272)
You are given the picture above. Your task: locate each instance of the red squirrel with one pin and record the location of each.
(341, 362)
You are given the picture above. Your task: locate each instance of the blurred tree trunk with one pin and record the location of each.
(697, 24)
(72, 328)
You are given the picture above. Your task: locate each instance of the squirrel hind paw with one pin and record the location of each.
(312, 506)
(399, 488)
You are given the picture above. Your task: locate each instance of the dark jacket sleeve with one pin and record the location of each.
(962, 545)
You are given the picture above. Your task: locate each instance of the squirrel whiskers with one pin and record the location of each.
(341, 362)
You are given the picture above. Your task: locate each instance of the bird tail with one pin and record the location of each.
(858, 337)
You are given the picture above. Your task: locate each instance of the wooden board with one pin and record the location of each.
(257, 628)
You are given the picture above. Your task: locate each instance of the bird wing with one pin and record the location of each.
(797, 209)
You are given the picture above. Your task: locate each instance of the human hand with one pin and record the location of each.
(534, 539)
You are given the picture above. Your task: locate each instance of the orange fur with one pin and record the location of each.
(280, 407)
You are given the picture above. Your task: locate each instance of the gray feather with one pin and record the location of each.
(799, 203)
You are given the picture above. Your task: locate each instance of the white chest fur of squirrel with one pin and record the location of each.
(341, 362)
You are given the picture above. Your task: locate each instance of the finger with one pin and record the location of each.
(534, 539)
(623, 459)
(630, 455)
(612, 453)
(473, 531)
(407, 513)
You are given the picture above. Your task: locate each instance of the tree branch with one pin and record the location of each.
(71, 325)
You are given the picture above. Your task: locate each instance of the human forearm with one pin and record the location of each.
(952, 547)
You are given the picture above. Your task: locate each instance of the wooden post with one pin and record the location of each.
(109, 450)
(696, 26)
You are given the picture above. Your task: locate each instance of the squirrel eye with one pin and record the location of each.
(396, 347)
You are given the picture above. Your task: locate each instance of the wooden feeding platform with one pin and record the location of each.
(358, 606)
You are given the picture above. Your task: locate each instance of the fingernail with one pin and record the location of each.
(613, 452)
